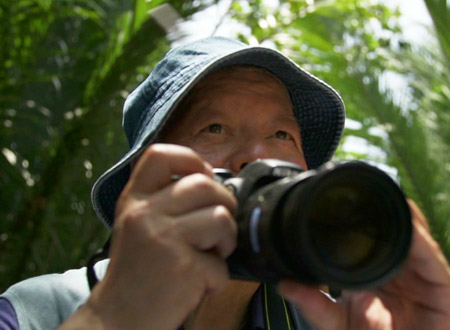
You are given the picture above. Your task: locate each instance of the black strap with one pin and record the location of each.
(97, 256)
(276, 311)
(280, 314)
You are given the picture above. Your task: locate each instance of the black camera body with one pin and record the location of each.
(347, 226)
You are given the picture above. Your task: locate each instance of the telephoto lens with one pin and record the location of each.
(347, 226)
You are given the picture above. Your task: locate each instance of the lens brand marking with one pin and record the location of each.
(254, 220)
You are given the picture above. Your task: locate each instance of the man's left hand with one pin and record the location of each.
(418, 297)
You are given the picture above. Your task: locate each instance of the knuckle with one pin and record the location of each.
(138, 219)
(154, 151)
(203, 184)
(223, 217)
(160, 150)
(186, 264)
(129, 219)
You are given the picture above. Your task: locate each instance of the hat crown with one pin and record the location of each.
(179, 65)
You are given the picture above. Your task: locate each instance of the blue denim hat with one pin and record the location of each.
(318, 109)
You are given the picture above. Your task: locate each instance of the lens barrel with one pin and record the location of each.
(347, 226)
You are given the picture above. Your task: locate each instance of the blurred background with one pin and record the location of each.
(66, 67)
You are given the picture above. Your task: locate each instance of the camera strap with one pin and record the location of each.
(276, 313)
(280, 314)
(97, 256)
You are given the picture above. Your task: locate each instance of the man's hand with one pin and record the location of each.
(418, 297)
(169, 243)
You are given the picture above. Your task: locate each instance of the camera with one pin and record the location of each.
(347, 225)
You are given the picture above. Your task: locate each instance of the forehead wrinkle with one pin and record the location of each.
(257, 81)
(213, 90)
(220, 105)
(252, 74)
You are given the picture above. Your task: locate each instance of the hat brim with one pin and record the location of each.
(318, 109)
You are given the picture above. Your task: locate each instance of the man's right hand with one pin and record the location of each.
(169, 244)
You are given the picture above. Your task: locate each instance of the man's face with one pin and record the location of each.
(235, 116)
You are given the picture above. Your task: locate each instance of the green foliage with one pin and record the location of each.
(65, 68)
(440, 13)
(358, 47)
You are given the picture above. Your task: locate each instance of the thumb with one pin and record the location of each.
(315, 306)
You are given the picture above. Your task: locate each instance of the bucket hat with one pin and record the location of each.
(318, 108)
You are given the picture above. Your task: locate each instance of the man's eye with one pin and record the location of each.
(282, 135)
(214, 128)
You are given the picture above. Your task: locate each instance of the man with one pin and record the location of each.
(219, 103)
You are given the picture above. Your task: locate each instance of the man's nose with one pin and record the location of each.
(247, 152)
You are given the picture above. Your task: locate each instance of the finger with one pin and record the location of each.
(426, 257)
(159, 162)
(193, 192)
(317, 308)
(213, 271)
(417, 215)
(212, 228)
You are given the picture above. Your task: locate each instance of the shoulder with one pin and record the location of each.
(8, 317)
(44, 302)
